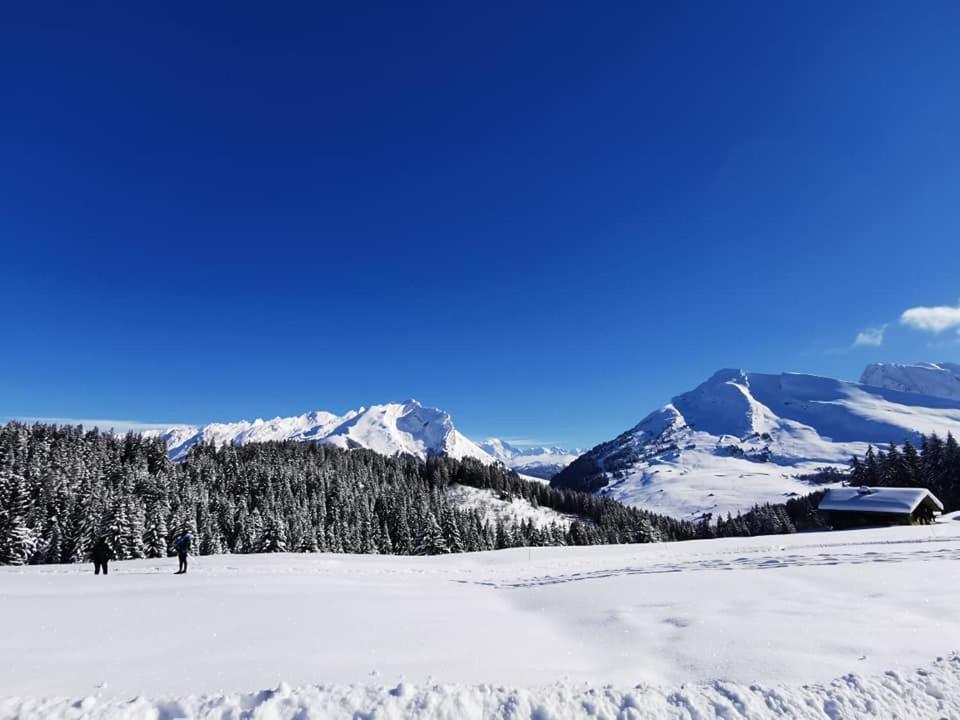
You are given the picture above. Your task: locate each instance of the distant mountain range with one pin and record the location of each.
(392, 429)
(737, 439)
(741, 438)
(537, 462)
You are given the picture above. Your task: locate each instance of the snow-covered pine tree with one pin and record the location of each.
(404, 541)
(431, 540)
(16, 539)
(451, 530)
(274, 537)
(155, 543)
(386, 544)
(83, 527)
(50, 548)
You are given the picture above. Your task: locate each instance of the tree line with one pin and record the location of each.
(63, 487)
(934, 466)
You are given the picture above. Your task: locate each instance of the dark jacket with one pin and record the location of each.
(183, 544)
(101, 551)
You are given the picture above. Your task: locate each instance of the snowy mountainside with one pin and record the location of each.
(391, 429)
(934, 379)
(744, 438)
(537, 462)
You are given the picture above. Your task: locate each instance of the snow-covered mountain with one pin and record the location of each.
(934, 379)
(742, 438)
(537, 462)
(392, 429)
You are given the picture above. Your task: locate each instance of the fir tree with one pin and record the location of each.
(431, 540)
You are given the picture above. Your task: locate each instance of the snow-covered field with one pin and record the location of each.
(819, 625)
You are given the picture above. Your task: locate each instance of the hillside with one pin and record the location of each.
(742, 438)
(280, 496)
(933, 379)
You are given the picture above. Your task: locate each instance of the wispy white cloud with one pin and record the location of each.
(117, 426)
(932, 319)
(870, 337)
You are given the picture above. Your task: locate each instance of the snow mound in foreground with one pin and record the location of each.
(931, 692)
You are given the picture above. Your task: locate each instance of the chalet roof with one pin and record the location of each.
(878, 499)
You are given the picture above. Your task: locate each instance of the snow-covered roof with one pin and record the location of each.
(877, 499)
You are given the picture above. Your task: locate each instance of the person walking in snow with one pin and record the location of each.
(101, 555)
(182, 545)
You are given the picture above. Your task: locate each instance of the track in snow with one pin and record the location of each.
(741, 563)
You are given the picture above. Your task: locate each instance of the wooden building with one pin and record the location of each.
(859, 506)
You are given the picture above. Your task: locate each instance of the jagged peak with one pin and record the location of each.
(406, 428)
(725, 375)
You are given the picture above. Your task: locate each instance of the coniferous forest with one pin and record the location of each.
(63, 487)
(935, 466)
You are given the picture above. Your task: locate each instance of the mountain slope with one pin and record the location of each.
(537, 462)
(742, 438)
(934, 379)
(392, 429)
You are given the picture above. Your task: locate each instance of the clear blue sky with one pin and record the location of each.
(546, 219)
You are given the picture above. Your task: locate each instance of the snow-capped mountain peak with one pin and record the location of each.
(538, 462)
(741, 438)
(500, 449)
(406, 428)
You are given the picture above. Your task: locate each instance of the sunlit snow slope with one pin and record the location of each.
(742, 438)
(935, 379)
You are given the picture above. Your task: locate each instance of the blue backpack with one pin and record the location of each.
(183, 543)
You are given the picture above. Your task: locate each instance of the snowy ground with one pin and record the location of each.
(719, 628)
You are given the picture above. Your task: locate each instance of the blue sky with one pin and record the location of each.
(545, 218)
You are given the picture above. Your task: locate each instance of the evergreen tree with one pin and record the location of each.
(155, 533)
(431, 540)
(274, 538)
(16, 538)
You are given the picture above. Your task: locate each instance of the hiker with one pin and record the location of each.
(101, 554)
(182, 545)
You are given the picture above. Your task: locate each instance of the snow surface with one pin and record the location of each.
(923, 693)
(881, 499)
(514, 510)
(392, 429)
(744, 438)
(816, 625)
(934, 379)
(537, 463)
